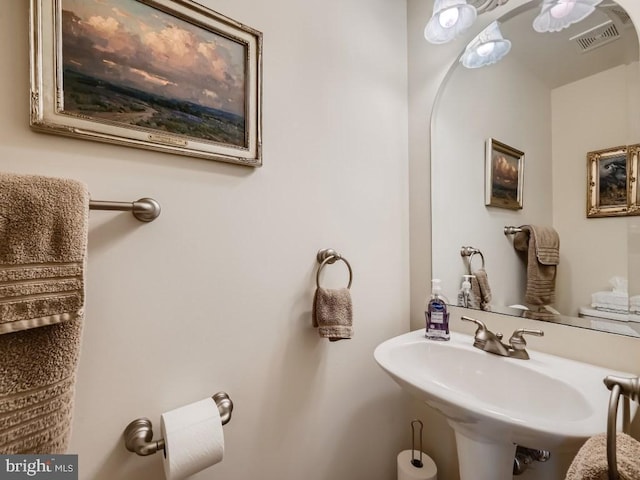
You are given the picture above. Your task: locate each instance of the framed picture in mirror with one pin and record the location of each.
(165, 75)
(633, 152)
(504, 175)
(609, 182)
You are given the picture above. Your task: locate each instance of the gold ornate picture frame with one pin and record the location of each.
(633, 154)
(504, 175)
(612, 187)
(165, 75)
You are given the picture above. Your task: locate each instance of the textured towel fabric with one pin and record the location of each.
(619, 302)
(43, 241)
(591, 461)
(539, 312)
(609, 307)
(333, 313)
(621, 299)
(481, 289)
(542, 247)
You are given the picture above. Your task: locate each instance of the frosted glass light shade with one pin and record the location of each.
(486, 49)
(449, 19)
(558, 14)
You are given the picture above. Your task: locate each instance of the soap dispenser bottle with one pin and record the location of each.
(464, 295)
(436, 314)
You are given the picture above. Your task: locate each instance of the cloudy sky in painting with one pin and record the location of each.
(129, 43)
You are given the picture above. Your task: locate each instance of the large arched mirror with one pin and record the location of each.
(552, 99)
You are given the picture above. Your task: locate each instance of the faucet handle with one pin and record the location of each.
(482, 335)
(481, 325)
(518, 342)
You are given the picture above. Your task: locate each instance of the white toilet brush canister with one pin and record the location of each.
(415, 464)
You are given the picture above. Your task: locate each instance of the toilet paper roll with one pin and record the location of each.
(406, 470)
(193, 439)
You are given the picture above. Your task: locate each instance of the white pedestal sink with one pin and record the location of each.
(495, 403)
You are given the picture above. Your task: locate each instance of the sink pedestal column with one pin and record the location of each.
(482, 459)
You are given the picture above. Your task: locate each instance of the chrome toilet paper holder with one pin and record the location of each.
(139, 434)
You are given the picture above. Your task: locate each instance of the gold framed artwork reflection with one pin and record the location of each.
(504, 175)
(612, 182)
(633, 155)
(165, 75)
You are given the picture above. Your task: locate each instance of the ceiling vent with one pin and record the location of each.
(618, 14)
(596, 37)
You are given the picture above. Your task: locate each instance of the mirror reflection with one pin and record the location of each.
(535, 113)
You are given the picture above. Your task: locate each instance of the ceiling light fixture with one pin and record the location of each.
(487, 48)
(449, 19)
(556, 15)
(483, 6)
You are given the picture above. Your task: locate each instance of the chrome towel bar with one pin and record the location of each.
(139, 434)
(145, 209)
(511, 230)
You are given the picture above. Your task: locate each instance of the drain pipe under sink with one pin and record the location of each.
(526, 456)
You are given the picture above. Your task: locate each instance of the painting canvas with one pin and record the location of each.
(504, 174)
(168, 75)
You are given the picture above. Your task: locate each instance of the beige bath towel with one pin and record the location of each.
(539, 312)
(542, 248)
(591, 461)
(43, 241)
(481, 290)
(333, 313)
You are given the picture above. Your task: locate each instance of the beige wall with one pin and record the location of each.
(586, 270)
(428, 65)
(216, 294)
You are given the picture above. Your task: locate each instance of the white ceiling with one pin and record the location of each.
(555, 59)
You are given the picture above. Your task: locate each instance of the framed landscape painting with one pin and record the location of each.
(504, 175)
(608, 184)
(166, 75)
(633, 159)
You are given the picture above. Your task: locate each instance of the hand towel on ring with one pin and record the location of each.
(333, 313)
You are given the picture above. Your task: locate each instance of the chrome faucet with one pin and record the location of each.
(488, 341)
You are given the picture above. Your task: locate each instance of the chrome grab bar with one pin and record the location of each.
(629, 389)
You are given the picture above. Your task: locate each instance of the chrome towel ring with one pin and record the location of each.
(330, 256)
(470, 252)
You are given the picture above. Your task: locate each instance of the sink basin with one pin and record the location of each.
(494, 403)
